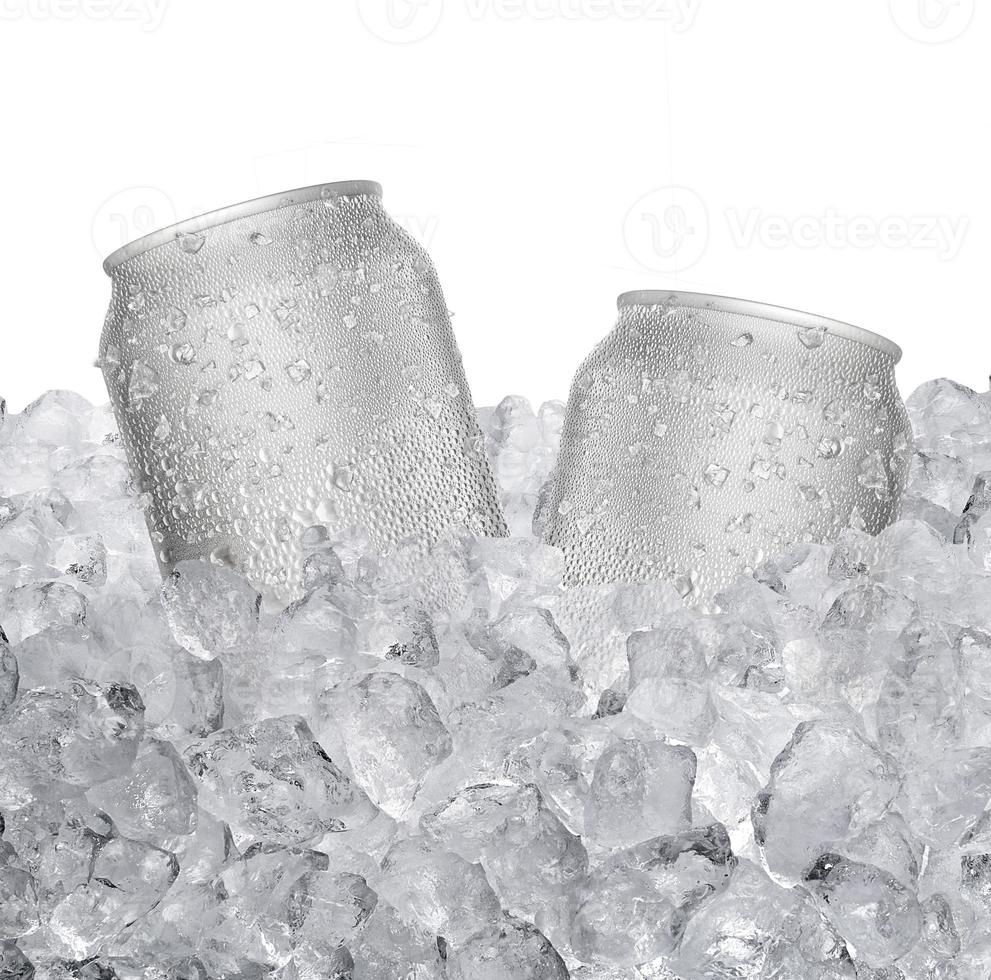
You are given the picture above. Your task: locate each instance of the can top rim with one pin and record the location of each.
(746, 307)
(234, 212)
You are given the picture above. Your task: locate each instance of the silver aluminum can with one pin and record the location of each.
(704, 435)
(290, 362)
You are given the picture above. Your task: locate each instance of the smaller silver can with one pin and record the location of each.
(704, 435)
(290, 362)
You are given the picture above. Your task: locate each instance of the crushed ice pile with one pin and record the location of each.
(519, 783)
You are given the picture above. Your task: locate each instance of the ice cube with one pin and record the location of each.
(14, 965)
(669, 684)
(952, 419)
(508, 949)
(128, 880)
(155, 801)
(640, 789)
(274, 781)
(211, 610)
(388, 947)
(60, 740)
(328, 909)
(441, 891)
(531, 859)
(637, 904)
(756, 929)
(876, 914)
(392, 734)
(18, 903)
(828, 781)
(31, 608)
(9, 674)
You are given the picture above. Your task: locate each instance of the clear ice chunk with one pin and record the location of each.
(211, 610)
(640, 788)
(392, 734)
(273, 780)
(829, 781)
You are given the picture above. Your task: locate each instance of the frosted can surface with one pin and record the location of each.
(704, 435)
(289, 362)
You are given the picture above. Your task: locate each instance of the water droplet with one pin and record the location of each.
(835, 412)
(684, 584)
(299, 371)
(253, 369)
(162, 431)
(723, 419)
(812, 337)
(774, 432)
(342, 477)
(258, 238)
(829, 447)
(137, 300)
(433, 406)
(872, 473)
(761, 468)
(143, 384)
(176, 321)
(111, 357)
(744, 340)
(716, 474)
(743, 523)
(183, 354)
(192, 243)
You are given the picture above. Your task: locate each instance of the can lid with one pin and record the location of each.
(766, 311)
(234, 212)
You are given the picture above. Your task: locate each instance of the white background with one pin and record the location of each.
(828, 155)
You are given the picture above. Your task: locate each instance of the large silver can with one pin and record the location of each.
(706, 434)
(289, 362)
